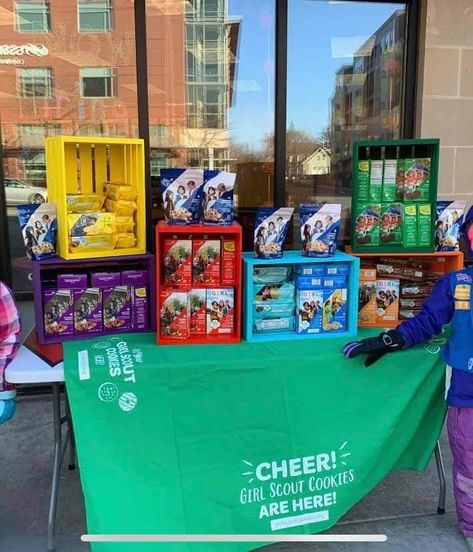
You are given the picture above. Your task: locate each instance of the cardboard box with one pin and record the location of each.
(409, 227)
(116, 308)
(376, 181)
(315, 269)
(400, 180)
(424, 225)
(309, 304)
(417, 179)
(391, 223)
(137, 281)
(105, 279)
(229, 262)
(334, 315)
(309, 282)
(274, 325)
(220, 311)
(367, 227)
(71, 281)
(337, 269)
(387, 300)
(177, 262)
(389, 180)
(174, 316)
(58, 312)
(206, 263)
(198, 302)
(88, 310)
(363, 180)
(367, 297)
(367, 303)
(91, 224)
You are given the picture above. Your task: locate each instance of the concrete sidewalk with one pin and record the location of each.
(408, 499)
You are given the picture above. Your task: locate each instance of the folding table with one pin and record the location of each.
(42, 365)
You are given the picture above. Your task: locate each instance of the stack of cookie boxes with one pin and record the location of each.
(199, 283)
(394, 195)
(324, 292)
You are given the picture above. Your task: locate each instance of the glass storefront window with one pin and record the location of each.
(211, 84)
(344, 83)
(95, 15)
(33, 17)
(35, 82)
(97, 82)
(71, 83)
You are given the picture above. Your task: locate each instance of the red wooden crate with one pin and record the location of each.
(200, 231)
(440, 261)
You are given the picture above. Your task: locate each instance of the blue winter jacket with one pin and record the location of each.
(439, 309)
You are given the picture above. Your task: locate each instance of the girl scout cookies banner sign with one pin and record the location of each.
(249, 438)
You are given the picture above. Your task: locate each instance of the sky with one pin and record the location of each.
(321, 37)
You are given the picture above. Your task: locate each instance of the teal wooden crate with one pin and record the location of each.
(294, 258)
(401, 149)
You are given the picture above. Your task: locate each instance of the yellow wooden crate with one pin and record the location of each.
(77, 164)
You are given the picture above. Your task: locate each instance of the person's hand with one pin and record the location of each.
(376, 347)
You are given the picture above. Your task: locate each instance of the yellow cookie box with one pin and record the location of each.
(121, 207)
(97, 243)
(118, 191)
(87, 224)
(83, 203)
(125, 224)
(125, 240)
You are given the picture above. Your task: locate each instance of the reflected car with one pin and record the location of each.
(18, 192)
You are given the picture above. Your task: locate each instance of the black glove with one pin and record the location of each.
(376, 347)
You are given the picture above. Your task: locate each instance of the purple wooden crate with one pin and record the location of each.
(143, 262)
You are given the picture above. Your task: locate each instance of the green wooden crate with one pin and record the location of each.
(399, 149)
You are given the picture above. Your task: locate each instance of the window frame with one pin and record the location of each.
(20, 80)
(108, 11)
(112, 77)
(45, 4)
(408, 105)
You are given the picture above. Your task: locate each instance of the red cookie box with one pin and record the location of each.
(228, 262)
(198, 302)
(177, 262)
(220, 311)
(174, 315)
(206, 262)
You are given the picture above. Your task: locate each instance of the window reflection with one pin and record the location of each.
(341, 88)
(211, 86)
(61, 74)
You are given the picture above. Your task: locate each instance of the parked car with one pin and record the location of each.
(18, 192)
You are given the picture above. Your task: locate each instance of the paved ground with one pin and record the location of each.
(408, 499)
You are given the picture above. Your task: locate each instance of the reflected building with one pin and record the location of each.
(69, 67)
(367, 99)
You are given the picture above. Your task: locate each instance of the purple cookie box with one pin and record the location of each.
(92, 299)
(72, 281)
(134, 278)
(116, 309)
(138, 282)
(58, 310)
(105, 279)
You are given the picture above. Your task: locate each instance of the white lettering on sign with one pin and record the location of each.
(83, 365)
(295, 487)
(296, 466)
(38, 50)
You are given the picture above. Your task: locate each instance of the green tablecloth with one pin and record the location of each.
(249, 438)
